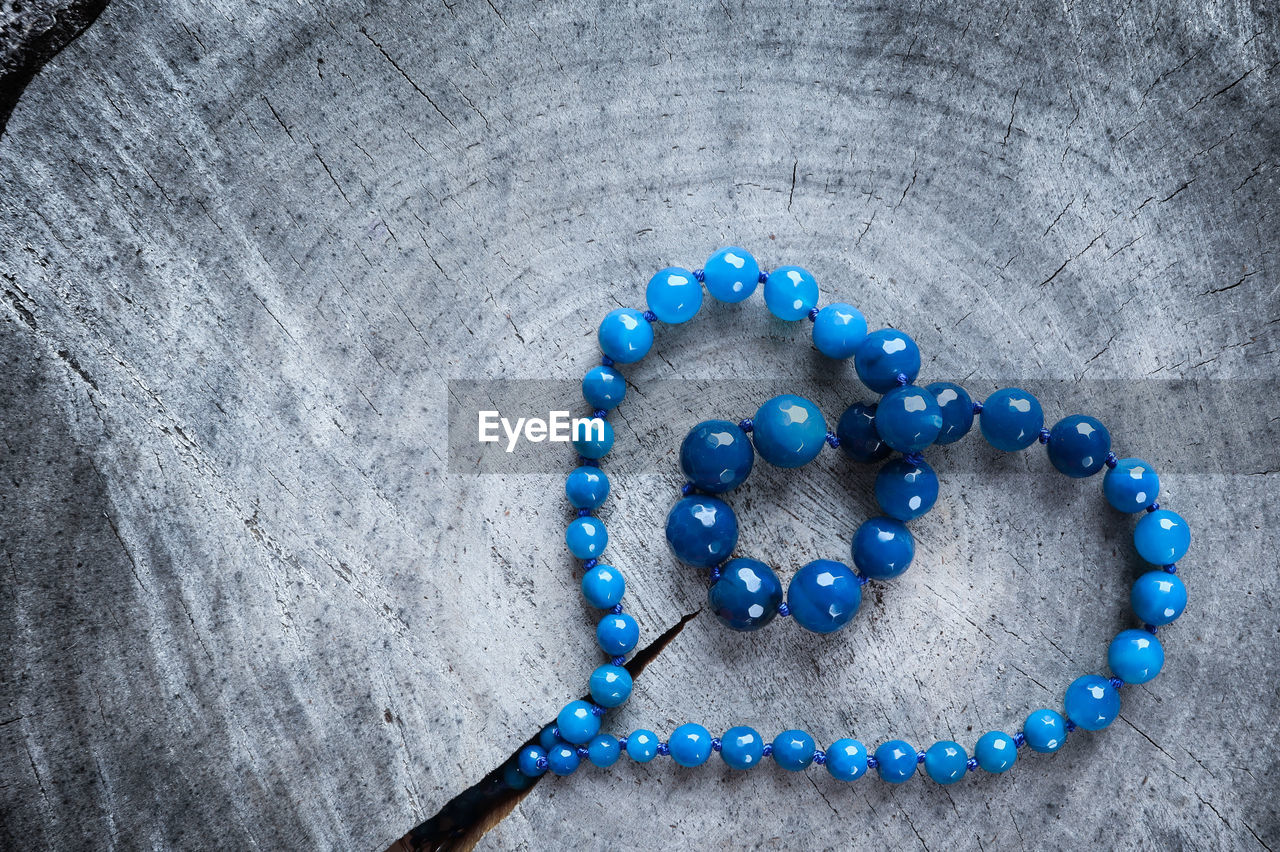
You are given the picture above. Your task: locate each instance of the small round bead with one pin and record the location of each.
(741, 747)
(946, 762)
(838, 329)
(1092, 702)
(1162, 537)
(717, 456)
(701, 530)
(885, 355)
(824, 595)
(586, 487)
(594, 439)
(603, 586)
(548, 737)
(674, 295)
(793, 750)
(562, 759)
(895, 761)
(859, 439)
(789, 431)
(603, 387)
(908, 419)
(731, 274)
(1078, 445)
(690, 744)
(747, 595)
(1131, 486)
(642, 745)
(789, 293)
(1045, 730)
(906, 490)
(996, 751)
(617, 634)
(625, 336)
(586, 538)
(957, 411)
(528, 760)
(1011, 419)
(846, 759)
(1158, 597)
(577, 723)
(882, 548)
(610, 685)
(603, 750)
(1135, 656)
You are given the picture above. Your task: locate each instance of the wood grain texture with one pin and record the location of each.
(252, 603)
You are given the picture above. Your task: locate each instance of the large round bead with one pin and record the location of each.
(957, 411)
(908, 419)
(1135, 656)
(1011, 419)
(1162, 537)
(906, 490)
(603, 586)
(674, 295)
(847, 759)
(586, 537)
(946, 762)
(1092, 702)
(1078, 445)
(789, 431)
(1158, 597)
(625, 335)
(642, 745)
(702, 530)
(824, 595)
(610, 685)
(856, 430)
(882, 548)
(577, 722)
(742, 747)
(1131, 486)
(995, 751)
(690, 744)
(838, 329)
(885, 355)
(746, 596)
(793, 750)
(562, 759)
(789, 293)
(717, 456)
(731, 274)
(617, 634)
(896, 761)
(1045, 730)
(586, 487)
(603, 387)
(592, 439)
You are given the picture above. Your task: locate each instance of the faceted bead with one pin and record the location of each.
(885, 355)
(790, 292)
(1162, 537)
(586, 487)
(946, 762)
(603, 586)
(577, 723)
(1158, 597)
(702, 530)
(717, 456)
(690, 744)
(603, 387)
(528, 759)
(548, 738)
(592, 439)
(514, 778)
(905, 490)
(625, 335)
(1135, 656)
(896, 761)
(1131, 486)
(838, 329)
(824, 595)
(1078, 445)
(562, 759)
(1011, 419)
(1092, 702)
(610, 685)
(586, 537)
(603, 750)
(957, 411)
(882, 548)
(996, 751)
(908, 419)
(731, 274)
(793, 750)
(846, 759)
(746, 596)
(789, 431)
(1045, 730)
(741, 747)
(617, 634)
(674, 295)
(642, 745)
(856, 430)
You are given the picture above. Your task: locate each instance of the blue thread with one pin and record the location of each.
(1115, 682)
(714, 572)
(971, 764)
(902, 380)
(746, 425)
(555, 732)
(1150, 628)
(1111, 460)
(783, 609)
(582, 751)
(1019, 739)
(716, 745)
(764, 277)
(819, 757)
(1171, 569)
(833, 440)
(597, 710)
(767, 750)
(650, 316)
(617, 609)
(872, 763)
(1044, 435)
(813, 314)
(586, 462)
(584, 513)
(1154, 507)
(619, 661)
(600, 414)
(686, 489)
(590, 563)
(913, 458)
(699, 275)
(919, 757)
(1071, 726)
(977, 407)
(863, 579)
(664, 749)
(622, 743)
(541, 763)
(606, 361)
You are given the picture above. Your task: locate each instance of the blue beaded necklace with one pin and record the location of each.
(789, 431)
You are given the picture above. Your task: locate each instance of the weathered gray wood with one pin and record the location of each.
(251, 600)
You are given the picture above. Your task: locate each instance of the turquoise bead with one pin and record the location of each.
(946, 762)
(896, 761)
(586, 487)
(1162, 537)
(563, 759)
(604, 751)
(789, 431)
(701, 530)
(790, 293)
(905, 490)
(793, 750)
(731, 274)
(908, 419)
(885, 355)
(625, 335)
(594, 439)
(690, 744)
(603, 586)
(603, 387)
(642, 745)
(824, 595)
(1045, 731)
(996, 751)
(1135, 656)
(1078, 445)
(838, 329)
(586, 537)
(882, 548)
(528, 759)
(847, 759)
(610, 685)
(859, 439)
(617, 634)
(1131, 486)
(957, 411)
(548, 738)
(514, 778)
(746, 596)
(1092, 702)
(1158, 597)
(741, 747)
(674, 295)
(1011, 419)
(717, 456)
(577, 723)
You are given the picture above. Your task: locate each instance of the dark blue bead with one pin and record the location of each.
(1162, 537)
(562, 759)
(995, 751)
(946, 762)
(1135, 656)
(789, 431)
(690, 744)
(793, 750)
(642, 745)
(859, 439)
(528, 760)
(1011, 419)
(1045, 730)
(731, 274)
(603, 387)
(1131, 486)
(586, 487)
(610, 685)
(1158, 597)
(824, 595)
(741, 747)
(838, 329)
(885, 355)
(701, 530)
(586, 538)
(603, 586)
(896, 761)
(717, 456)
(577, 723)
(957, 411)
(1092, 702)
(882, 548)
(603, 750)
(908, 419)
(548, 737)
(1078, 445)
(625, 336)
(906, 490)
(846, 759)
(789, 293)
(674, 295)
(747, 595)
(617, 634)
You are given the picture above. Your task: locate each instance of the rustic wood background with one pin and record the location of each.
(252, 601)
